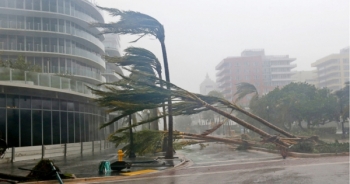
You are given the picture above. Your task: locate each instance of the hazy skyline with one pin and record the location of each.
(200, 34)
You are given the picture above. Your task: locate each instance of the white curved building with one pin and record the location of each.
(47, 108)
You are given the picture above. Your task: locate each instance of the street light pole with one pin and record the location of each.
(268, 117)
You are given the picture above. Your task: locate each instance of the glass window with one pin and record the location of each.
(63, 105)
(82, 127)
(12, 101)
(53, 25)
(54, 44)
(55, 104)
(2, 101)
(24, 102)
(71, 126)
(36, 103)
(30, 44)
(60, 6)
(46, 44)
(13, 125)
(70, 106)
(37, 127)
(20, 22)
(19, 4)
(11, 3)
(26, 128)
(53, 6)
(67, 7)
(45, 5)
(47, 127)
(56, 131)
(64, 127)
(12, 21)
(2, 3)
(3, 124)
(76, 126)
(46, 24)
(29, 4)
(29, 23)
(37, 46)
(87, 128)
(20, 43)
(37, 23)
(36, 5)
(46, 103)
(3, 21)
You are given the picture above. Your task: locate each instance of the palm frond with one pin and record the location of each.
(244, 89)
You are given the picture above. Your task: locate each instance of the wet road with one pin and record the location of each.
(218, 163)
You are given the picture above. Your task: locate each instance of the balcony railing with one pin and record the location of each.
(45, 80)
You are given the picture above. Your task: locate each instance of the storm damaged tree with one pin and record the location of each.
(142, 60)
(136, 23)
(130, 97)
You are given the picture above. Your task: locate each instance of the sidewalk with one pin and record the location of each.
(86, 166)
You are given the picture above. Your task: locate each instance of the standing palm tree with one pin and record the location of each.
(244, 89)
(143, 60)
(136, 23)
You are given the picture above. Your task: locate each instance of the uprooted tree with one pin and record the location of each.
(129, 96)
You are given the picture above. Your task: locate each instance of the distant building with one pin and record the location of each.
(333, 70)
(207, 85)
(309, 77)
(265, 72)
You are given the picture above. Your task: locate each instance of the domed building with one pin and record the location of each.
(207, 85)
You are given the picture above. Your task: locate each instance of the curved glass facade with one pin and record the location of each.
(47, 108)
(63, 42)
(30, 121)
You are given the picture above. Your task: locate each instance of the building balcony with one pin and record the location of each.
(284, 66)
(283, 73)
(89, 41)
(20, 78)
(89, 58)
(281, 79)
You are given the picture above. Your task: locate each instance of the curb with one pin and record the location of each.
(107, 178)
(303, 155)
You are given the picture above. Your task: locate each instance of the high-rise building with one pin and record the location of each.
(333, 70)
(52, 105)
(265, 72)
(207, 85)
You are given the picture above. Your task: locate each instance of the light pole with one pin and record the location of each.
(268, 116)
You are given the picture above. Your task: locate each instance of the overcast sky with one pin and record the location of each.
(201, 33)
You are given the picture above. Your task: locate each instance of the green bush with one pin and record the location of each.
(303, 147)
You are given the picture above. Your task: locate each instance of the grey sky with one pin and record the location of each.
(200, 33)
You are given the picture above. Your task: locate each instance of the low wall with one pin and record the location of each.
(16, 154)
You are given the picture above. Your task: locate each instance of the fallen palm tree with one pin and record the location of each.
(129, 96)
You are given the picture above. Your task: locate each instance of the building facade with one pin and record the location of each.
(309, 77)
(54, 105)
(265, 72)
(333, 70)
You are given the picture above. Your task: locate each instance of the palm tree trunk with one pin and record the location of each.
(169, 153)
(266, 123)
(239, 121)
(206, 137)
